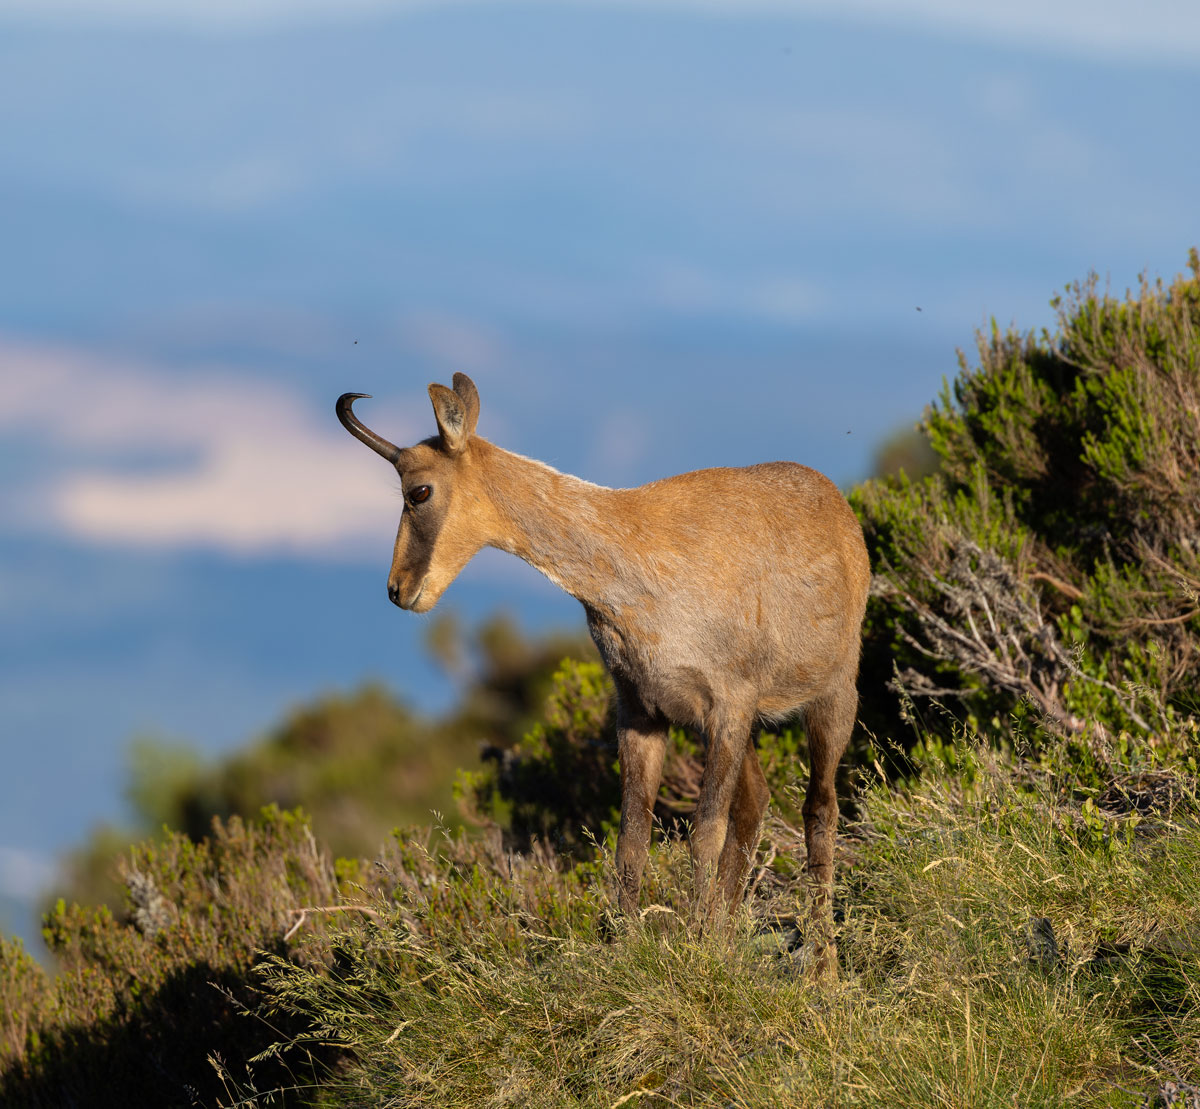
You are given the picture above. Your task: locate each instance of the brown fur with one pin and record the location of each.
(718, 599)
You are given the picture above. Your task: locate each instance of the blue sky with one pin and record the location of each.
(659, 236)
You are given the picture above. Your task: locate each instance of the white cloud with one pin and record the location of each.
(243, 465)
(1137, 29)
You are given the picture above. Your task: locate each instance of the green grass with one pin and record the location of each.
(514, 983)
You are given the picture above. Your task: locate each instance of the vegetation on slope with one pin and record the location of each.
(1002, 943)
(142, 998)
(1004, 937)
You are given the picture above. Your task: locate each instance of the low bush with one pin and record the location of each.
(1008, 935)
(1050, 567)
(143, 998)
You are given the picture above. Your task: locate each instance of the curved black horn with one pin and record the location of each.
(345, 413)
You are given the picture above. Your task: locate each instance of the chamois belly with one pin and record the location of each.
(670, 679)
(687, 680)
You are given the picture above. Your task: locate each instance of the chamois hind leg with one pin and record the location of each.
(829, 722)
(642, 743)
(728, 742)
(750, 799)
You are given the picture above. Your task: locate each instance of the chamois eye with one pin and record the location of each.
(420, 494)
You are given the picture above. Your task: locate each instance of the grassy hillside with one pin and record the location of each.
(1006, 937)
(1002, 943)
(1018, 891)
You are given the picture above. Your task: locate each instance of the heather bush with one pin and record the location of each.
(1050, 569)
(364, 762)
(142, 998)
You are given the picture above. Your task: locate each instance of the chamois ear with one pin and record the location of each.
(451, 413)
(465, 388)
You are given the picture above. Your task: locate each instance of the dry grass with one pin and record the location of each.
(1002, 944)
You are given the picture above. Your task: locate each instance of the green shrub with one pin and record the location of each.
(358, 763)
(1051, 567)
(559, 783)
(141, 1000)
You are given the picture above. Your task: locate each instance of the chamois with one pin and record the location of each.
(719, 599)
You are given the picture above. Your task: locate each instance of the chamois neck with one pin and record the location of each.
(558, 523)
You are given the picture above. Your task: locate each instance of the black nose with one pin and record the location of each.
(394, 593)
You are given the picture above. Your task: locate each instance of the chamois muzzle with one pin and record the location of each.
(345, 413)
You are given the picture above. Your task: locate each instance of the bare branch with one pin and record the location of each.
(302, 915)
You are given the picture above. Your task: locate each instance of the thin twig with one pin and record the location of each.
(302, 915)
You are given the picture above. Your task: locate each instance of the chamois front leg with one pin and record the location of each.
(728, 743)
(642, 744)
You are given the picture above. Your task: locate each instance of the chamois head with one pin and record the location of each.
(444, 519)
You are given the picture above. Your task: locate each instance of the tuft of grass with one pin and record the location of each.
(1004, 942)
